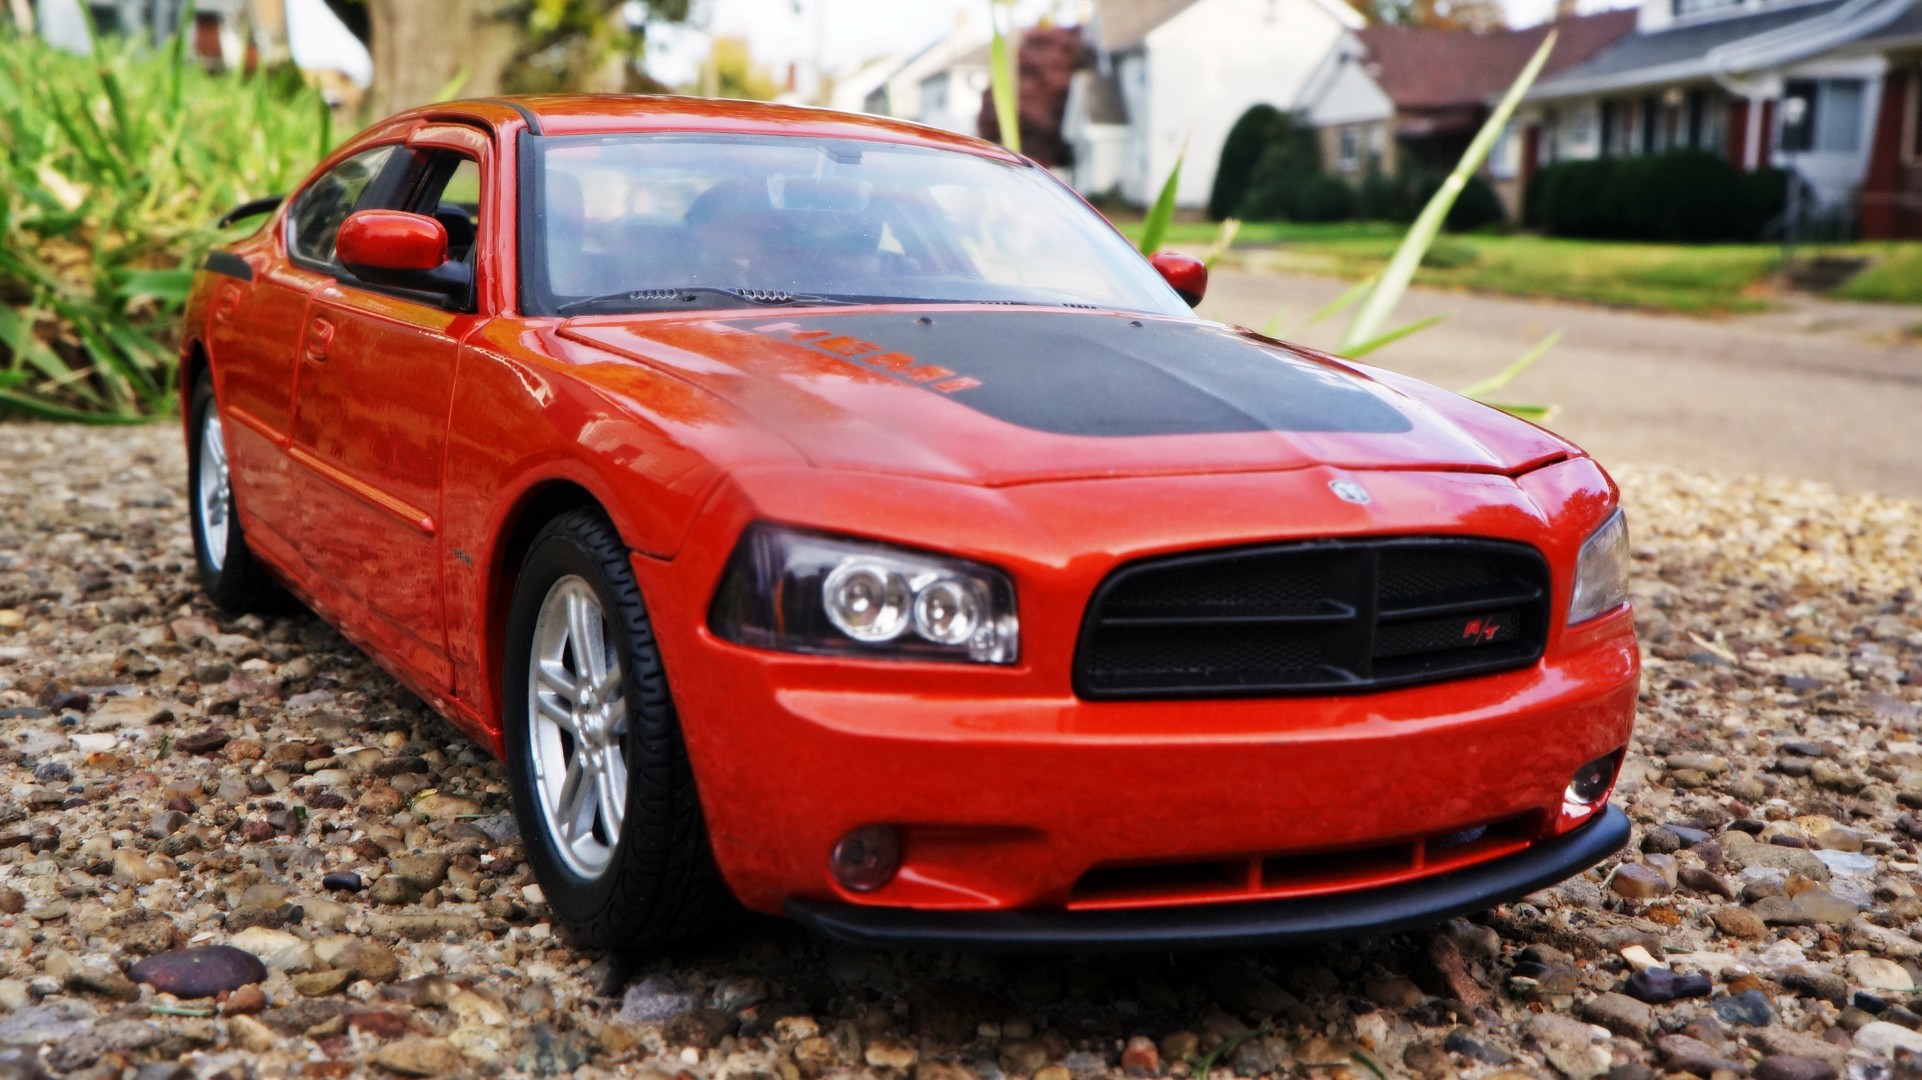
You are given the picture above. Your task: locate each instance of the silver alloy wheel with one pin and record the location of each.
(577, 716)
(216, 490)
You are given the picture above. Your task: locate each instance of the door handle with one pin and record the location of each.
(320, 338)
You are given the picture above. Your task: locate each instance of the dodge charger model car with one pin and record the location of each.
(840, 514)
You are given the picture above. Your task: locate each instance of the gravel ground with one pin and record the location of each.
(233, 847)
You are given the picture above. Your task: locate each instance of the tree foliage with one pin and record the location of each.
(505, 46)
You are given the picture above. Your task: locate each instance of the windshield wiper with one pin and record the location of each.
(697, 297)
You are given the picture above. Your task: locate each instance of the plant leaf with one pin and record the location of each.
(1534, 414)
(1224, 239)
(1155, 228)
(1356, 352)
(1494, 383)
(1343, 302)
(1401, 269)
(1002, 79)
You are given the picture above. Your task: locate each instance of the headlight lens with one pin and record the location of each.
(804, 592)
(1601, 574)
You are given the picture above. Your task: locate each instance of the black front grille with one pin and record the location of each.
(1314, 617)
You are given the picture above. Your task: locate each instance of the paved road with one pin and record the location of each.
(1818, 390)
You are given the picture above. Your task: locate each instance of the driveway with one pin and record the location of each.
(1818, 390)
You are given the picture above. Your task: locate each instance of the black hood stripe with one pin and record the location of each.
(1100, 375)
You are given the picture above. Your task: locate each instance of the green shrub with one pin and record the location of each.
(1683, 196)
(1385, 198)
(1288, 164)
(1477, 207)
(1239, 155)
(1324, 198)
(117, 166)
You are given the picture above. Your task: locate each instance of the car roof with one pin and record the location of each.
(609, 114)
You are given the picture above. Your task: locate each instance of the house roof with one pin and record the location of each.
(1439, 69)
(1677, 53)
(1126, 23)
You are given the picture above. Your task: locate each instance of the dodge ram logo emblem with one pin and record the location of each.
(1349, 491)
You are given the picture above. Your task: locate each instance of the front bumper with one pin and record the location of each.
(1265, 924)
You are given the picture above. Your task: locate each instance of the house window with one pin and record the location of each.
(1912, 101)
(1696, 7)
(1838, 116)
(1822, 116)
(1350, 148)
(1611, 128)
(1651, 124)
(1504, 161)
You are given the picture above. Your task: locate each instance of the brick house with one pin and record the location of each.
(1825, 88)
(1394, 97)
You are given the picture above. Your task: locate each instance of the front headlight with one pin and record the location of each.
(1601, 574)
(805, 592)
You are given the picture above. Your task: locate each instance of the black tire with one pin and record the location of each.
(237, 582)
(660, 886)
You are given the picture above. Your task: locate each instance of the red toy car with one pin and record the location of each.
(840, 513)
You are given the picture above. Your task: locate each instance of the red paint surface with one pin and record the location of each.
(386, 451)
(1185, 273)
(392, 240)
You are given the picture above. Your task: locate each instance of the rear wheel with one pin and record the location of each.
(602, 788)
(229, 573)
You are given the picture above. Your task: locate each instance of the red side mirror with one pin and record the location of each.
(390, 241)
(1187, 274)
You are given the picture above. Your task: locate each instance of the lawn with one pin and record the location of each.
(1708, 279)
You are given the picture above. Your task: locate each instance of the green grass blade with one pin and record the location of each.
(452, 86)
(1356, 352)
(1494, 383)
(1155, 227)
(1401, 269)
(1225, 239)
(1346, 300)
(1534, 414)
(1001, 74)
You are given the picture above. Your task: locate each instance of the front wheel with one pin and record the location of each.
(602, 787)
(229, 573)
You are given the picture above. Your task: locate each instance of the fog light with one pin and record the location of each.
(1591, 783)
(867, 858)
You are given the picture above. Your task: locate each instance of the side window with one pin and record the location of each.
(318, 214)
(452, 194)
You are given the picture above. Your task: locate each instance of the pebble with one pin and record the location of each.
(273, 714)
(1750, 1008)
(1620, 1014)
(1875, 973)
(421, 1057)
(1658, 986)
(1638, 882)
(1881, 1039)
(1784, 1067)
(199, 972)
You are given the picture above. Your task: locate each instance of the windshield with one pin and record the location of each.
(700, 219)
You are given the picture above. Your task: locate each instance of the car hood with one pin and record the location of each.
(1001, 395)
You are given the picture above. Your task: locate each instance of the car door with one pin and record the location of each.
(256, 332)
(376, 378)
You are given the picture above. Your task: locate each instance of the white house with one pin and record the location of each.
(1175, 74)
(940, 86)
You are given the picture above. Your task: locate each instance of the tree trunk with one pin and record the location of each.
(419, 48)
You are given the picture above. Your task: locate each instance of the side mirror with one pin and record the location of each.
(1187, 274)
(402, 250)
